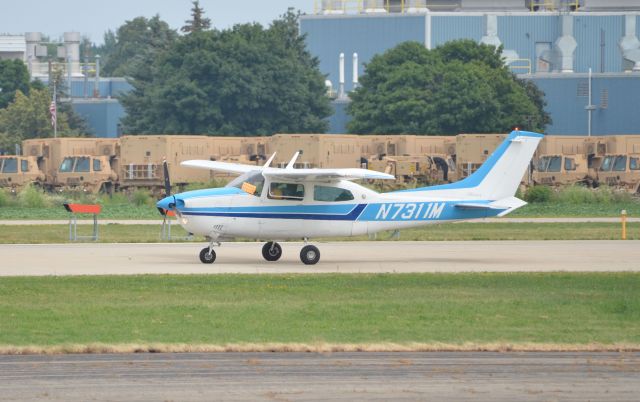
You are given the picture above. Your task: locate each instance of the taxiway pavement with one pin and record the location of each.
(336, 257)
(458, 376)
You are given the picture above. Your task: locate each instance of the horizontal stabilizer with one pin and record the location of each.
(476, 206)
(507, 205)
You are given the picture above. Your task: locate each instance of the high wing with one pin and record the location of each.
(324, 174)
(221, 166)
(290, 173)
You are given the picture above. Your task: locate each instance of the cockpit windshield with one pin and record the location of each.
(251, 182)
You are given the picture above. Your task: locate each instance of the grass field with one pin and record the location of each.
(454, 309)
(110, 233)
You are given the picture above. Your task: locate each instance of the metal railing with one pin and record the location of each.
(360, 6)
(551, 5)
(525, 65)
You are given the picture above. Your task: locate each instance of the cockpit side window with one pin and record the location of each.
(252, 183)
(331, 194)
(286, 191)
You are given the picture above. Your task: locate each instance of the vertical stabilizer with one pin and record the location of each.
(499, 176)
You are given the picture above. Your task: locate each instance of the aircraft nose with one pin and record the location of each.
(167, 203)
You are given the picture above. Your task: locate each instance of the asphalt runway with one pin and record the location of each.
(341, 257)
(308, 376)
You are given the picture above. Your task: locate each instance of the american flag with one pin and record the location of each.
(53, 111)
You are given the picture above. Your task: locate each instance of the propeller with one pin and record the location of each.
(164, 204)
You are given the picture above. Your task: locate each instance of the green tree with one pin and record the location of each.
(14, 76)
(197, 22)
(135, 43)
(459, 87)
(246, 80)
(28, 117)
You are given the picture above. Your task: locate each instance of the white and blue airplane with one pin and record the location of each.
(286, 203)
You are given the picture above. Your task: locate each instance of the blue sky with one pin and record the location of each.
(92, 18)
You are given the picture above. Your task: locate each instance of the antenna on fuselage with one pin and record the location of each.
(293, 160)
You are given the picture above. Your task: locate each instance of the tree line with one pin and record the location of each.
(256, 80)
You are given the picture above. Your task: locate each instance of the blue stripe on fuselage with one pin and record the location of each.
(232, 212)
(393, 211)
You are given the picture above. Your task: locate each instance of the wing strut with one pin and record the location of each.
(268, 163)
(293, 160)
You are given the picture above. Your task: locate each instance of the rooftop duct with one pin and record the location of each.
(491, 38)
(630, 45)
(565, 46)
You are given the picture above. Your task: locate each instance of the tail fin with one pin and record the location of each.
(500, 175)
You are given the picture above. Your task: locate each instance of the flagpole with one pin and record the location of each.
(55, 120)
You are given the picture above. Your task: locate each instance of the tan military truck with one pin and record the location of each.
(51, 152)
(318, 150)
(19, 171)
(616, 161)
(87, 173)
(423, 169)
(472, 150)
(562, 160)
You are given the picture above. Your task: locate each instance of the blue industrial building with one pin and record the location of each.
(552, 42)
(553, 46)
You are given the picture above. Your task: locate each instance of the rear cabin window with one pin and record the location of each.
(634, 164)
(10, 165)
(286, 191)
(97, 166)
(67, 165)
(620, 164)
(331, 194)
(82, 165)
(24, 166)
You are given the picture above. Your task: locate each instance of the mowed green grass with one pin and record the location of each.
(132, 211)
(458, 231)
(558, 308)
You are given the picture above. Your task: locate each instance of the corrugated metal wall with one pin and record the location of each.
(102, 115)
(586, 30)
(366, 35)
(448, 28)
(521, 33)
(616, 97)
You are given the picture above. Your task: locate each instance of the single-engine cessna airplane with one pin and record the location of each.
(286, 203)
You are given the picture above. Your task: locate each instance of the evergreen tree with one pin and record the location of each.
(198, 22)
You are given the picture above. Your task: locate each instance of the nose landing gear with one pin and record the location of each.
(207, 255)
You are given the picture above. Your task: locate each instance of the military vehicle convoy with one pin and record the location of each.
(132, 162)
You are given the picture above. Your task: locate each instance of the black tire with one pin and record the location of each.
(271, 253)
(310, 255)
(207, 257)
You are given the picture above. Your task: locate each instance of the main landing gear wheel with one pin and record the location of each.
(271, 251)
(310, 255)
(207, 256)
